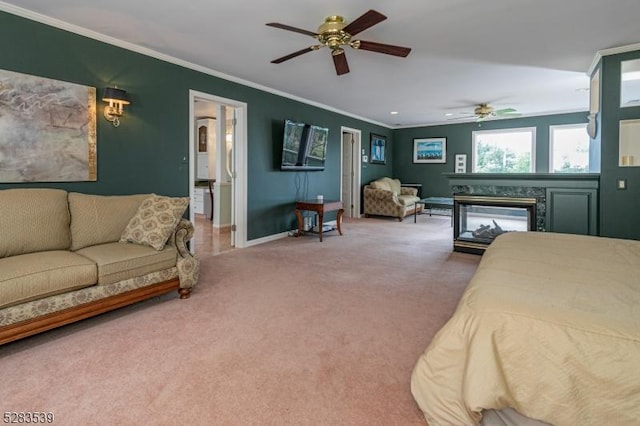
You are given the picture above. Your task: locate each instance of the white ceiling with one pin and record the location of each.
(531, 55)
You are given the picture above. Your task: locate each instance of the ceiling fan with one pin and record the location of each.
(486, 111)
(335, 33)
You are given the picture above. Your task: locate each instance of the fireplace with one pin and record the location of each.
(478, 220)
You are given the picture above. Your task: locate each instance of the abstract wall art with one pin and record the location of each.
(47, 130)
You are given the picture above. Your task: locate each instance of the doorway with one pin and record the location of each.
(350, 171)
(217, 172)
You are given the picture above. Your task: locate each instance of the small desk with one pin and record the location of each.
(320, 207)
(442, 202)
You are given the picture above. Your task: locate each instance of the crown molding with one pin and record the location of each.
(610, 51)
(472, 121)
(75, 29)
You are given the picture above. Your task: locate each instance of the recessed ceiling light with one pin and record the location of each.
(448, 114)
(394, 112)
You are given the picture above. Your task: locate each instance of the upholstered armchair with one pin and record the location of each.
(387, 197)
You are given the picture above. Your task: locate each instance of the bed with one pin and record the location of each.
(549, 326)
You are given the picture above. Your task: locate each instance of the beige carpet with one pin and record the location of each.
(293, 332)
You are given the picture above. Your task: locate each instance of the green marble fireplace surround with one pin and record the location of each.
(564, 203)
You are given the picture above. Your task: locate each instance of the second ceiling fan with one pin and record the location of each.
(335, 33)
(482, 112)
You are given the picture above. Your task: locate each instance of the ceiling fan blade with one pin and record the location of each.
(290, 28)
(462, 117)
(340, 61)
(293, 55)
(366, 20)
(384, 48)
(505, 111)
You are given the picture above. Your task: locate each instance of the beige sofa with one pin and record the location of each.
(387, 197)
(68, 256)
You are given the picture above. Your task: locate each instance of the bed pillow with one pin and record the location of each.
(155, 220)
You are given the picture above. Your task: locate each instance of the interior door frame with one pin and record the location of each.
(357, 167)
(239, 178)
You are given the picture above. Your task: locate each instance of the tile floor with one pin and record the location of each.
(210, 240)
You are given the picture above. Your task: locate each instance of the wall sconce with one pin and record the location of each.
(117, 98)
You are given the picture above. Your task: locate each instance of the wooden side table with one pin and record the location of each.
(320, 207)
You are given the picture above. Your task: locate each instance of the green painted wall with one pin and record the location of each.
(147, 152)
(459, 137)
(618, 208)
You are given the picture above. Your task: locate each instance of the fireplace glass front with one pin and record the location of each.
(479, 220)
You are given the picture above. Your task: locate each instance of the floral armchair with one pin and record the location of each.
(387, 197)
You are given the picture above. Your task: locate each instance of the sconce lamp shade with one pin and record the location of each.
(116, 98)
(113, 94)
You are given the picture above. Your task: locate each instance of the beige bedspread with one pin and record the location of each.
(550, 326)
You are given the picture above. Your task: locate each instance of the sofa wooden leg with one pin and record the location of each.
(400, 219)
(184, 293)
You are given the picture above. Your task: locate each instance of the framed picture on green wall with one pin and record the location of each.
(378, 149)
(430, 150)
(48, 130)
(461, 163)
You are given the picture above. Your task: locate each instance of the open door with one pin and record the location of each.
(350, 171)
(229, 182)
(230, 164)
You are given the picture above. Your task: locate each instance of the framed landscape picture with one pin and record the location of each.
(378, 149)
(430, 150)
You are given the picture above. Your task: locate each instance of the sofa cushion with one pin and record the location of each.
(387, 184)
(380, 184)
(155, 220)
(120, 261)
(394, 184)
(32, 276)
(32, 220)
(408, 200)
(99, 219)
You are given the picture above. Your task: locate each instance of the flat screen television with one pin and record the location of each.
(304, 146)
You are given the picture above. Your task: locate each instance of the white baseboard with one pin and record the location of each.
(275, 237)
(266, 239)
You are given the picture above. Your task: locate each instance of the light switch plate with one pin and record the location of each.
(621, 184)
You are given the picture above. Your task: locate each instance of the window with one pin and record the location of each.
(569, 149)
(504, 151)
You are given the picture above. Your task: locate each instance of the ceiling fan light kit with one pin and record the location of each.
(330, 33)
(335, 33)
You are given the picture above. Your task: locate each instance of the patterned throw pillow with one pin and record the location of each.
(154, 221)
